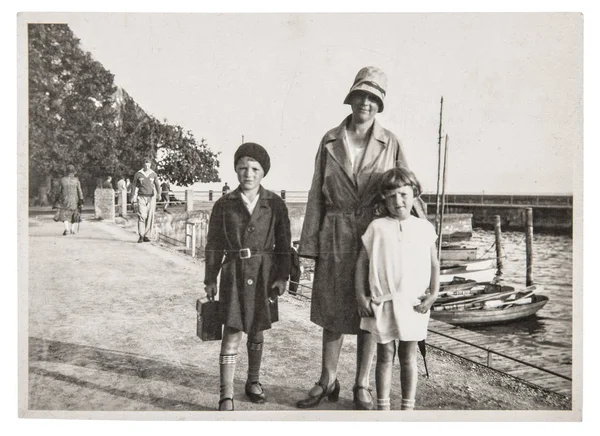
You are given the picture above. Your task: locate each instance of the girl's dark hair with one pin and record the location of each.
(397, 178)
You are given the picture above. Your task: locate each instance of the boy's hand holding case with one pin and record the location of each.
(209, 326)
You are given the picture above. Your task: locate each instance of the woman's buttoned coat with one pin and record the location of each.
(245, 283)
(339, 209)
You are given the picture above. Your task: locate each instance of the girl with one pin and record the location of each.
(397, 281)
(249, 243)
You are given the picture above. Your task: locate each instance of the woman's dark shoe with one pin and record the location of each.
(226, 405)
(146, 239)
(258, 398)
(332, 393)
(65, 233)
(358, 403)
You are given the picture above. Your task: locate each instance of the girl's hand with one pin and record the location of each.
(211, 291)
(364, 306)
(427, 301)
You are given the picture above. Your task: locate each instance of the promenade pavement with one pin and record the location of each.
(112, 327)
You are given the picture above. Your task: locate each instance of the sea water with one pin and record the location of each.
(549, 334)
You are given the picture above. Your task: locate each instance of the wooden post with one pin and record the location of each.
(529, 247)
(189, 200)
(210, 195)
(193, 239)
(499, 254)
(283, 194)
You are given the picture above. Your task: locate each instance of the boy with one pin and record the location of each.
(249, 243)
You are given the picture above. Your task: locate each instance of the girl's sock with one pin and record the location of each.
(383, 404)
(255, 351)
(407, 404)
(227, 371)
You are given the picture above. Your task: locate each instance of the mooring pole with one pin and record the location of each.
(499, 254)
(439, 174)
(529, 247)
(443, 200)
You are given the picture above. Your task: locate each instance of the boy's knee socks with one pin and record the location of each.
(255, 351)
(227, 371)
(407, 404)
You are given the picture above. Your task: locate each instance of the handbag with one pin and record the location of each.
(209, 326)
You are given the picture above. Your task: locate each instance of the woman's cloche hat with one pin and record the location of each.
(371, 80)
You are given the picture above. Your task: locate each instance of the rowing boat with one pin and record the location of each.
(490, 308)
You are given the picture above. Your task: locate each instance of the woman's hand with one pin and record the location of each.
(279, 287)
(211, 291)
(364, 306)
(427, 301)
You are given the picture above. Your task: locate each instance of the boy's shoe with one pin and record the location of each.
(140, 240)
(255, 397)
(146, 239)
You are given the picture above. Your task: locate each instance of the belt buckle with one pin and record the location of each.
(245, 253)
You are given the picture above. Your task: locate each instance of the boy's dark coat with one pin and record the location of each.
(245, 284)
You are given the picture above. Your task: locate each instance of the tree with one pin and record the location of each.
(71, 111)
(78, 116)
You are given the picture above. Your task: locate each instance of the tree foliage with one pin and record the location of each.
(78, 116)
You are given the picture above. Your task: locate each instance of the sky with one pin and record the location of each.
(512, 87)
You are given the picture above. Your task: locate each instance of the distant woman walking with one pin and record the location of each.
(70, 197)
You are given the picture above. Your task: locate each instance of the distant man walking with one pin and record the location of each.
(225, 188)
(107, 184)
(164, 195)
(144, 193)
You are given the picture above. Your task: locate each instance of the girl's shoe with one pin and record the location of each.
(254, 397)
(226, 405)
(65, 233)
(332, 393)
(362, 405)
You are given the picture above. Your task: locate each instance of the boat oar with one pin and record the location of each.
(423, 353)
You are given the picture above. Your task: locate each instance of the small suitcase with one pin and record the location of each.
(209, 326)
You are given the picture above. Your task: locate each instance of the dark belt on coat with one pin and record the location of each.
(244, 253)
(334, 210)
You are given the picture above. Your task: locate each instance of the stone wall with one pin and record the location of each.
(104, 204)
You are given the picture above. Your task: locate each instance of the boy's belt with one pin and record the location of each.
(244, 253)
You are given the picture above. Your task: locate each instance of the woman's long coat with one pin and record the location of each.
(245, 284)
(340, 207)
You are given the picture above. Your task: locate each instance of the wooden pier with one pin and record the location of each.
(484, 350)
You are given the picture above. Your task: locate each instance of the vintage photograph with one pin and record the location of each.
(342, 216)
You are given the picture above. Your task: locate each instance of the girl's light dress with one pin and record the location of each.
(399, 272)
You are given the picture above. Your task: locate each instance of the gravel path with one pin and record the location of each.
(112, 328)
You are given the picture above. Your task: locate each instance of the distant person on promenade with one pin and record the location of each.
(107, 184)
(397, 282)
(249, 243)
(349, 163)
(121, 188)
(165, 188)
(225, 188)
(144, 192)
(70, 199)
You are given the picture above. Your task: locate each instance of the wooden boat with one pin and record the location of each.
(457, 253)
(492, 308)
(469, 288)
(447, 275)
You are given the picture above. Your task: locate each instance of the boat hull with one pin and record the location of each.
(490, 316)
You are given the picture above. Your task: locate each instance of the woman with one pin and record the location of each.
(350, 160)
(70, 198)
